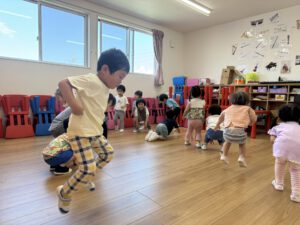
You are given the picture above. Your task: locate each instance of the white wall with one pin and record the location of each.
(208, 51)
(26, 77)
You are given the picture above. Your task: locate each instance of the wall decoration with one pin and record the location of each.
(285, 67)
(298, 24)
(271, 65)
(234, 48)
(274, 18)
(297, 61)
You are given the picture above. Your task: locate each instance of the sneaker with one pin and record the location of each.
(242, 161)
(154, 136)
(198, 144)
(91, 186)
(187, 142)
(121, 130)
(134, 130)
(59, 170)
(278, 187)
(148, 135)
(52, 168)
(204, 147)
(224, 159)
(63, 203)
(295, 197)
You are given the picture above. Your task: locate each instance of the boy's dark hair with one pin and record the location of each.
(115, 59)
(196, 92)
(112, 99)
(140, 101)
(162, 97)
(289, 112)
(121, 88)
(214, 110)
(170, 114)
(239, 98)
(139, 93)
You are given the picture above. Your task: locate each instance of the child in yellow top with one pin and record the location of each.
(85, 125)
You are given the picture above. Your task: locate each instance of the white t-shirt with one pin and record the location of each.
(121, 103)
(211, 122)
(92, 94)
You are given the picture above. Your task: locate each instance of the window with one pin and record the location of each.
(137, 45)
(61, 39)
(19, 29)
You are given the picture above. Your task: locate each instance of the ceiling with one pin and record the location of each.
(176, 16)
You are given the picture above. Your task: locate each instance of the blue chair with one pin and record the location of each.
(43, 109)
(178, 83)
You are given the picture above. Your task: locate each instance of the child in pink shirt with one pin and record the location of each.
(285, 137)
(236, 118)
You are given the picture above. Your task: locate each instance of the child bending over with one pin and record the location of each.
(164, 129)
(236, 118)
(214, 112)
(141, 116)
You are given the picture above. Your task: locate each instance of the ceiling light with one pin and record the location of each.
(197, 6)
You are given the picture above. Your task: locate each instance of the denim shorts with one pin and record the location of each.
(60, 158)
(212, 134)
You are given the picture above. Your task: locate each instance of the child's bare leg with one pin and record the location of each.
(295, 181)
(225, 149)
(241, 159)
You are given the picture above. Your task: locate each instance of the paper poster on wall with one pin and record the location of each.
(280, 28)
(285, 67)
(297, 60)
(274, 42)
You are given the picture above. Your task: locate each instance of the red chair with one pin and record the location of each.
(110, 121)
(268, 122)
(150, 103)
(160, 112)
(128, 120)
(16, 108)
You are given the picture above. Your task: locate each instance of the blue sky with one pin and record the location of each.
(63, 39)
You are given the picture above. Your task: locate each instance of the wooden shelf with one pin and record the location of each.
(257, 100)
(259, 93)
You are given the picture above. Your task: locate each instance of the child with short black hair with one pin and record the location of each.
(214, 112)
(236, 118)
(194, 112)
(171, 104)
(141, 116)
(163, 129)
(137, 95)
(85, 125)
(286, 142)
(120, 107)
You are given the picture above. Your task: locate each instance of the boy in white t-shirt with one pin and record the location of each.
(120, 107)
(214, 112)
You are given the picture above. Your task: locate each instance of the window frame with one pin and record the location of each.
(129, 29)
(39, 4)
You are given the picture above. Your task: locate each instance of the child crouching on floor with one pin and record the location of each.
(214, 112)
(164, 129)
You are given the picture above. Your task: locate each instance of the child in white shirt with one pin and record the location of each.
(120, 107)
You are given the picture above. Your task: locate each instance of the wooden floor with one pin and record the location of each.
(148, 183)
